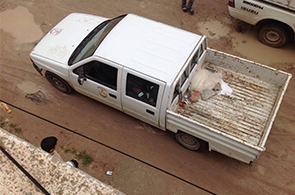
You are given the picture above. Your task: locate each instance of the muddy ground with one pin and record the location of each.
(144, 160)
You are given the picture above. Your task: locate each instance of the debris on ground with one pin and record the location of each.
(5, 107)
(39, 97)
(109, 173)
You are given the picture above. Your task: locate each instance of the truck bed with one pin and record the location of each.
(243, 115)
(248, 114)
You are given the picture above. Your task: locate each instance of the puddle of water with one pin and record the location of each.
(248, 45)
(213, 29)
(19, 22)
(28, 87)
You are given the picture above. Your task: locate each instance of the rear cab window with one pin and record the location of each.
(190, 67)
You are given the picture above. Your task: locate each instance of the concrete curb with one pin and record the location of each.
(55, 176)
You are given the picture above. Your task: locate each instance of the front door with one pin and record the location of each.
(100, 82)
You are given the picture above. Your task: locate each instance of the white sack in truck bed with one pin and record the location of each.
(205, 79)
(209, 82)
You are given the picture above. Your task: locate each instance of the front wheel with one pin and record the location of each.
(58, 82)
(272, 36)
(189, 142)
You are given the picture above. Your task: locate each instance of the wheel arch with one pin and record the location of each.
(65, 81)
(285, 26)
(205, 144)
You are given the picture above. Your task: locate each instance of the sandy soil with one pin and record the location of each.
(144, 160)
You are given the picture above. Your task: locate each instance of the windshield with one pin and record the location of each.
(89, 45)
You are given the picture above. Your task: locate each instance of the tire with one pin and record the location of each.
(58, 83)
(189, 142)
(273, 36)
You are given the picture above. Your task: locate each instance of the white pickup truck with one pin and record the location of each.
(275, 18)
(142, 67)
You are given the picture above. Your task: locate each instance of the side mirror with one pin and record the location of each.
(81, 79)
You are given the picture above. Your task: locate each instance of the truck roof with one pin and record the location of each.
(149, 47)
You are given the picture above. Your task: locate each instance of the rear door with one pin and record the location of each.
(142, 96)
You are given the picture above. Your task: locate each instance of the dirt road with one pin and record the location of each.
(144, 160)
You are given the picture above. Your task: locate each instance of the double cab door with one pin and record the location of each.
(142, 96)
(127, 90)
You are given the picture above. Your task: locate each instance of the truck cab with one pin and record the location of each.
(129, 63)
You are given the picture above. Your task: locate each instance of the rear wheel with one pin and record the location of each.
(273, 36)
(189, 142)
(58, 82)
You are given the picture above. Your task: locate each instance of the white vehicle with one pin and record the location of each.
(276, 18)
(110, 60)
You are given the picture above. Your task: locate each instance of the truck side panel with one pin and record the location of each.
(217, 141)
(247, 67)
(288, 4)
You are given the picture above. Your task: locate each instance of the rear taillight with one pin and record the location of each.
(231, 3)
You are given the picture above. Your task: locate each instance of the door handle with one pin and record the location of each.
(150, 112)
(112, 95)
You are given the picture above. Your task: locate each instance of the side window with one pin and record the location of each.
(184, 76)
(142, 89)
(197, 56)
(100, 73)
(176, 91)
(201, 50)
(194, 60)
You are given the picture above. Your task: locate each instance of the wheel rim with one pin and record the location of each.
(58, 84)
(273, 37)
(189, 140)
